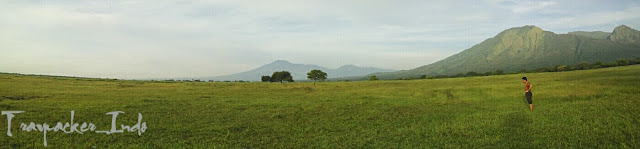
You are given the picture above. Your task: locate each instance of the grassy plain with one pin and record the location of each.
(578, 109)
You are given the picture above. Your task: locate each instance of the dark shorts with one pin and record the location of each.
(528, 95)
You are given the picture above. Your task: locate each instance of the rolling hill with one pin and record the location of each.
(530, 47)
(299, 71)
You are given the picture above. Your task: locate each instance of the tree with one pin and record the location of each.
(612, 64)
(471, 74)
(544, 69)
(563, 68)
(316, 75)
(266, 79)
(522, 71)
(280, 76)
(583, 66)
(634, 61)
(623, 62)
(373, 78)
(441, 76)
(497, 72)
(598, 63)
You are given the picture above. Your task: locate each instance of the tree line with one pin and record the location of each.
(319, 75)
(558, 68)
(278, 76)
(282, 76)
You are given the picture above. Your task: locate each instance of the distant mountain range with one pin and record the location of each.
(530, 47)
(299, 71)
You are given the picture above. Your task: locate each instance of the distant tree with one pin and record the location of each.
(598, 63)
(442, 76)
(373, 78)
(423, 76)
(471, 74)
(488, 73)
(497, 72)
(266, 78)
(316, 75)
(563, 68)
(612, 64)
(280, 76)
(522, 71)
(429, 77)
(622, 62)
(634, 61)
(543, 69)
(583, 66)
(459, 75)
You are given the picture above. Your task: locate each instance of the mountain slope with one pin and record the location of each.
(530, 47)
(625, 34)
(594, 34)
(299, 71)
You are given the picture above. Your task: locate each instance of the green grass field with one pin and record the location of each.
(578, 109)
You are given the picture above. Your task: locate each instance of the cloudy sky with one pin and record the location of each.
(160, 39)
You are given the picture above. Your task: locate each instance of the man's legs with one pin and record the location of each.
(528, 95)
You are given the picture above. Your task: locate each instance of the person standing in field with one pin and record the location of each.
(527, 92)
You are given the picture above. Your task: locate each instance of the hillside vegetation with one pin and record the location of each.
(530, 47)
(578, 109)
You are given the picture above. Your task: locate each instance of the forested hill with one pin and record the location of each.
(531, 47)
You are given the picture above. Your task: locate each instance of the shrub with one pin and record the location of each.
(266, 78)
(471, 74)
(373, 78)
(612, 64)
(497, 72)
(583, 66)
(563, 68)
(622, 62)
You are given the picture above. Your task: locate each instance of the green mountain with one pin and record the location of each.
(530, 47)
(625, 34)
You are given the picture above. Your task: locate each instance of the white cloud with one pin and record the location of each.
(528, 6)
(149, 39)
(615, 17)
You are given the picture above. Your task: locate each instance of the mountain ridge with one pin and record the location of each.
(298, 71)
(530, 47)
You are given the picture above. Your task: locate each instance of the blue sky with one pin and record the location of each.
(162, 39)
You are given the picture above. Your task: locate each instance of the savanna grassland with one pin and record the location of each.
(579, 109)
